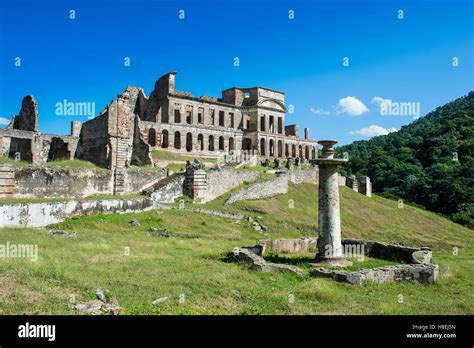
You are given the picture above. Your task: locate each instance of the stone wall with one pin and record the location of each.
(261, 189)
(53, 182)
(137, 179)
(419, 265)
(362, 184)
(300, 175)
(413, 272)
(167, 190)
(225, 179)
(43, 214)
(287, 246)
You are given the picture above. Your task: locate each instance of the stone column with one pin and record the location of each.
(329, 220)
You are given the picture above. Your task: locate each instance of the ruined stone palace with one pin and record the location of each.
(132, 125)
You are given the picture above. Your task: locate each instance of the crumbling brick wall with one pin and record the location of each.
(27, 119)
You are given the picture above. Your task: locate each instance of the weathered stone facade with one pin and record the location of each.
(243, 119)
(21, 139)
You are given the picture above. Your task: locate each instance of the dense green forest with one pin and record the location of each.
(429, 162)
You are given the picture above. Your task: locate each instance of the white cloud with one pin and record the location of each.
(373, 130)
(384, 104)
(351, 106)
(381, 101)
(319, 111)
(4, 121)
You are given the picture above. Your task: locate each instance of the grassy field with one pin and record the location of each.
(190, 268)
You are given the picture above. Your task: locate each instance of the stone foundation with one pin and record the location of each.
(419, 266)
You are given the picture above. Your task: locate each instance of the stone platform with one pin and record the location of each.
(418, 264)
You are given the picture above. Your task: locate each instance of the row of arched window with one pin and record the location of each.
(304, 151)
(291, 150)
(189, 141)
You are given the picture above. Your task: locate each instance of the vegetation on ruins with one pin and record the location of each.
(188, 263)
(429, 162)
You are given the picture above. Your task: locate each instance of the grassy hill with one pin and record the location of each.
(191, 262)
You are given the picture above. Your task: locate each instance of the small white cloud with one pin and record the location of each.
(351, 106)
(373, 130)
(4, 121)
(319, 111)
(381, 101)
(384, 104)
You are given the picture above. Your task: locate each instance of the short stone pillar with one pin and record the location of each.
(7, 180)
(329, 220)
(196, 184)
(351, 182)
(365, 186)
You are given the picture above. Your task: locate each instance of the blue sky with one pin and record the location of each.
(402, 60)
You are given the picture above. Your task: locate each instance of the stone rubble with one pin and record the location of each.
(59, 233)
(99, 306)
(134, 222)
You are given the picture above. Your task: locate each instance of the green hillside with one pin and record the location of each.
(192, 262)
(429, 162)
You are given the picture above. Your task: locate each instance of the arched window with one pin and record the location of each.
(280, 148)
(164, 139)
(177, 140)
(306, 152)
(221, 144)
(246, 144)
(211, 143)
(293, 150)
(287, 150)
(262, 123)
(272, 148)
(189, 142)
(300, 152)
(201, 142)
(231, 144)
(262, 147)
(152, 137)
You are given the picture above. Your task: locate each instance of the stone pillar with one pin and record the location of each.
(329, 220)
(7, 180)
(196, 184)
(76, 128)
(365, 186)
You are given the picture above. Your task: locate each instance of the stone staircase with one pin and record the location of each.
(119, 181)
(162, 183)
(121, 154)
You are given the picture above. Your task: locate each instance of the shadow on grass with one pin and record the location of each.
(297, 260)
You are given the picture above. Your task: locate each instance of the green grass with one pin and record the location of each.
(173, 156)
(76, 163)
(88, 198)
(192, 262)
(72, 164)
(14, 162)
